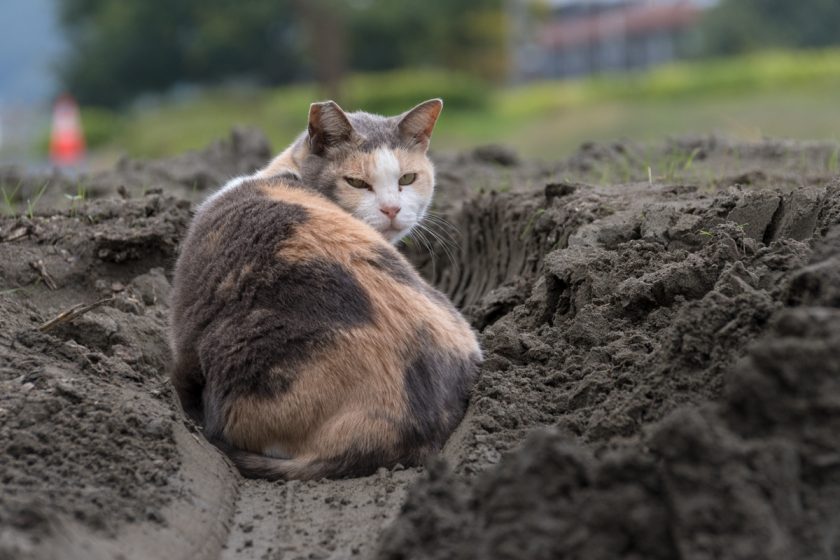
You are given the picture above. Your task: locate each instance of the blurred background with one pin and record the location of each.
(542, 76)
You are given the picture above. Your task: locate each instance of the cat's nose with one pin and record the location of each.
(390, 211)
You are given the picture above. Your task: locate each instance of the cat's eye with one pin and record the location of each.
(408, 178)
(358, 183)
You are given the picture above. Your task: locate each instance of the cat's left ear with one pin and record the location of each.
(417, 124)
(328, 126)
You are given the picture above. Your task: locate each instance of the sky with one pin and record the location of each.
(30, 44)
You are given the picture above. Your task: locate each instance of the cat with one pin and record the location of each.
(302, 340)
(367, 152)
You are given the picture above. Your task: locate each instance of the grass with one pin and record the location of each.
(782, 94)
(76, 199)
(9, 206)
(530, 224)
(833, 164)
(31, 204)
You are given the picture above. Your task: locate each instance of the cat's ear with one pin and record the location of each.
(417, 124)
(328, 126)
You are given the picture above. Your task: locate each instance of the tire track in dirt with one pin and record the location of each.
(325, 519)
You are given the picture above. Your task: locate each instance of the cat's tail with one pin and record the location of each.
(256, 465)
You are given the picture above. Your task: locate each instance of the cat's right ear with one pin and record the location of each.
(417, 124)
(328, 126)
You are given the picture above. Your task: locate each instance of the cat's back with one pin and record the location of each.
(264, 243)
(277, 218)
(299, 330)
(268, 243)
(242, 223)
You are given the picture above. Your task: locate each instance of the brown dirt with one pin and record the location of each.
(662, 334)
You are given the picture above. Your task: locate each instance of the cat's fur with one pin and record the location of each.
(302, 339)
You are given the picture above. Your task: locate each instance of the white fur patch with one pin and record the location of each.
(386, 174)
(384, 177)
(229, 186)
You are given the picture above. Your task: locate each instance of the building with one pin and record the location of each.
(577, 38)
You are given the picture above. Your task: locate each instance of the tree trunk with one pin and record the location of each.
(324, 26)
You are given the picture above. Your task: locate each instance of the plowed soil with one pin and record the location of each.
(661, 327)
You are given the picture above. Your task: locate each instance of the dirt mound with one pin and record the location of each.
(753, 476)
(90, 432)
(243, 152)
(625, 339)
(660, 374)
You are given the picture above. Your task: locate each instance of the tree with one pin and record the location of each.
(123, 48)
(325, 22)
(466, 35)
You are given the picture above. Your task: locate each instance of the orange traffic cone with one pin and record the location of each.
(67, 141)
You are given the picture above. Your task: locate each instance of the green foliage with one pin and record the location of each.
(31, 203)
(172, 128)
(100, 126)
(394, 92)
(742, 75)
(280, 112)
(9, 198)
(789, 94)
(738, 26)
(833, 163)
(463, 35)
(77, 198)
(121, 49)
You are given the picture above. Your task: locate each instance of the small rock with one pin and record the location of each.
(499, 155)
(556, 190)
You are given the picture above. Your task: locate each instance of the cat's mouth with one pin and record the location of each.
(394, 234)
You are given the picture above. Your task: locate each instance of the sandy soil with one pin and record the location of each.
(662, 376)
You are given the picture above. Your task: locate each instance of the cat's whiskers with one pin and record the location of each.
(441, 220)
(445, 229)
(442, 242)
(446, 232)
(418, 235)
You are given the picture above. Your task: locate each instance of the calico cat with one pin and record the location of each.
(304, 342)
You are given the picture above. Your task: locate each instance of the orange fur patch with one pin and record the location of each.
(286, 161)
(357, 384)
(330, 233)
(351, 396)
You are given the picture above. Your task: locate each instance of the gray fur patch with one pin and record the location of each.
(245, 310)
(437, 384)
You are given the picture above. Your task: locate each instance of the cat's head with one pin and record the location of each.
(374, 167)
